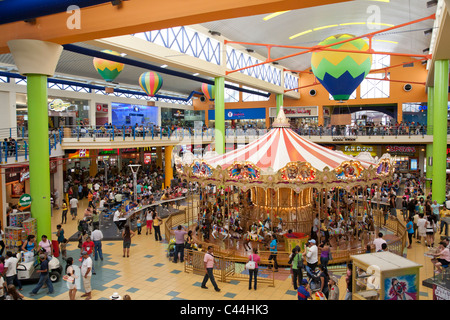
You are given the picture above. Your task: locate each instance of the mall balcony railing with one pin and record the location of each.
(17, 150)
(117, 133)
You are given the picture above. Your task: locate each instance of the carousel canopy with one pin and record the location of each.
(284, 158)
(280, 146)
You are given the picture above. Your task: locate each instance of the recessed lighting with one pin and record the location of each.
(275, 14)
(196, 74)
(164, 66)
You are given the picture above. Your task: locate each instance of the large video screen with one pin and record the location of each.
(124, 114)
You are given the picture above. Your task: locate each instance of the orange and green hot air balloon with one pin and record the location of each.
(150, 82)
(208, 91)
(342, 72)
(109, 70)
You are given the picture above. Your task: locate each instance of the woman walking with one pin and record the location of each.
(74, 272)
(127, 234)
(296, 262)
(64, 212)
(253, 272)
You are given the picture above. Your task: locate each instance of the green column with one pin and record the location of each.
(440, 129)
(219, 105)
(279, 101)
(429, 151)
(39, 153)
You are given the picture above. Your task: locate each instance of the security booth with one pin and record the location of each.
(384, 276)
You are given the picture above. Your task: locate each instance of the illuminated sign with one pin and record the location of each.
(401, 149)
(354, 150)
(58, 105)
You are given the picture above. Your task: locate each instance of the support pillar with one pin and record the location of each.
(440, 129)
(279, 101)
(37, 60)
(429, 150)
(219, 105)
(93, 167)
(159, 157)
(168, 169)
(399, 112)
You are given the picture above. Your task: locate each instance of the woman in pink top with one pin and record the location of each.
(46, 245)
(253, 272)
(444, 257)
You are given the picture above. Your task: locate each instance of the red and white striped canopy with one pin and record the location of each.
(280, 146)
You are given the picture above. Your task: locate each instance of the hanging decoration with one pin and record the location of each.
(208, 91)
(150, 82)
(342, 72)
(109, 70)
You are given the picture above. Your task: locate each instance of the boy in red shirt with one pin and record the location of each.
(88, 246)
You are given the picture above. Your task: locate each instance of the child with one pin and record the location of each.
(334, 289)
(139, 225)
(63, 246)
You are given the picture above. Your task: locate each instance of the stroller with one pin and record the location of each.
(171, 249)
(84, 225)
(314, 279)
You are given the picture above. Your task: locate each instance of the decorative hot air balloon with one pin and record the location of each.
(342, 72)
(109, 70)
(208, 91)
(150, 82)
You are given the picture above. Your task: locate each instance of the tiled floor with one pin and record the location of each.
(148, 274)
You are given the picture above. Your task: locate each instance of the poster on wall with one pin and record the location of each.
(400, 288)
(17, 189)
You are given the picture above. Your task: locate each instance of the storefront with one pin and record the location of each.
(408, 158)
(61, 111)
(254, 118)
(182, 118)
(297, 115)
(124, 114)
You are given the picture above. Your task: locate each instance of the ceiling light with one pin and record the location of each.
(351, 23)
(326, 27)
(196, 74)
(432, 3)
(164, 66)
(275, 14)
(300, 34)
(387, 41)
(215, 33)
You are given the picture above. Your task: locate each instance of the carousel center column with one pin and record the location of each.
(37, 61)
(219, 106)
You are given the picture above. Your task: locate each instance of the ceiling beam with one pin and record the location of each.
(136, 16)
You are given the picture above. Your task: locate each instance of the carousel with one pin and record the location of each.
(279, 185)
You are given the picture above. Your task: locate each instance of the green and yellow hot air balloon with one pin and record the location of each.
(109, 70)
(341, 72)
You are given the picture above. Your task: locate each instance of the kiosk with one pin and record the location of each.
(384, 276)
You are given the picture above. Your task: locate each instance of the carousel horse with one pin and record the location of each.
(222, 231)
(252, 237)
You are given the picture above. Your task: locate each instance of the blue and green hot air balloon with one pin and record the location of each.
(342, 72)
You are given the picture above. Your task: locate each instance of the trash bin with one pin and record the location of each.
(55, 246)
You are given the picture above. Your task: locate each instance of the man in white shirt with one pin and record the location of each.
(97, 237)
(96, 186)
(311, 256)
(73, 207)
(86, 274)
(378, 242)
(421, 228)
(10, 270)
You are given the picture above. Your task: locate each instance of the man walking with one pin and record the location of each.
(209, 267)
(73, 207)
(10, 270)
(179, 243)
(273, 247)
(86, 274)
(97, 237)
(43, 276)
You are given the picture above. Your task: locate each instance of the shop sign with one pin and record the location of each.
(58, 105)
(406, 150)
(81, 153)
(128, 150)
(25, 200)
(12, 175)
(356, 149)
(295, 112)
(236, 114)
(24, 175)
(147, 158)
(178, 114)
(108, 151)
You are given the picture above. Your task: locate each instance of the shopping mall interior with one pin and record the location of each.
(296, 128)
